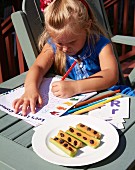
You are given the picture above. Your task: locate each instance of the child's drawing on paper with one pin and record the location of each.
(52, 106)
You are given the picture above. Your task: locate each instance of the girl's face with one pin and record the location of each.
(70, 43)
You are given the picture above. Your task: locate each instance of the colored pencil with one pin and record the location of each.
(96, 98)
(89, 108)
(69, 70)
(79, 112)
(82, 107)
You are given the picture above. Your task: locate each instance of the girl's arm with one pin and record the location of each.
(40, 67)
(107, 77)
(103, 79)
(33, 80)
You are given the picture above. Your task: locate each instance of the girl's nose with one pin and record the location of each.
(64, 49)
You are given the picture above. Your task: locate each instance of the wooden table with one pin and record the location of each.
(16, 149)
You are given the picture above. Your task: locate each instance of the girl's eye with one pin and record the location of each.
(60, 44)
(70, 43)
(73, 42)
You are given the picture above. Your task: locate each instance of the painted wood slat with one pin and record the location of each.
(7, 121)
(17, 157)
(25, 139)
(14, 82)
(26, 39)
(128, 40)
(4, 166)
(16, 130)
(2, 114)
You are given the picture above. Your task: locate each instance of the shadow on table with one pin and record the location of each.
(4, 90)
(116, 154)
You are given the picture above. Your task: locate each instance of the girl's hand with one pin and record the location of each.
(28, 100)
(64, 89)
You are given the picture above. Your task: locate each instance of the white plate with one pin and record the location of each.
(85, 155)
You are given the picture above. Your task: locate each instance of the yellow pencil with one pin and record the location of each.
(95, 106)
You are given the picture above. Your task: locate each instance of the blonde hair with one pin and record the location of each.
(61, 15)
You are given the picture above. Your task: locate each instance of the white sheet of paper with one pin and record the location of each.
(52, 105)
(114, 112)
(115, 109)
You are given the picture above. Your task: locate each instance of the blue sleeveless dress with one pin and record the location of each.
(89, 65)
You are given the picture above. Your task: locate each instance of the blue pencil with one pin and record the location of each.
(82, 107)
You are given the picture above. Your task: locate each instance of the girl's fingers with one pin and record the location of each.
(55, 89)
(14, 102)
(16, 105)
(40, 101)
(57, 94)
(35, 102)
(32, 105)
(24, 107)
(24, 104)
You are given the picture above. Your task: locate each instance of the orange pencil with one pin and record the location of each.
(69, 70)
(95, 106)
(109, 94)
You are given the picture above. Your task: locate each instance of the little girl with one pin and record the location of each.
(71, 33)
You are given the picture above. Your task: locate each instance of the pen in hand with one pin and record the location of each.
(69, 70)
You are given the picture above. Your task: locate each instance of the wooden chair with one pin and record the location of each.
(28, 24)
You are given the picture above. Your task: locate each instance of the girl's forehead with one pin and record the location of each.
(63, 37)
(66, 36)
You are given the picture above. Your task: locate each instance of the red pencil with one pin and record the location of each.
(69, 70)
